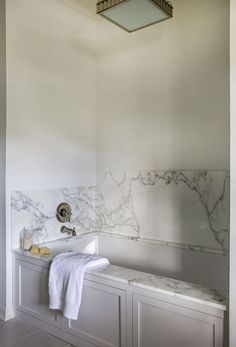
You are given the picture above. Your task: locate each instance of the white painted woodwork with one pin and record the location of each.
(110, 329)
(32, 292)
(158, 323)
(115, 314)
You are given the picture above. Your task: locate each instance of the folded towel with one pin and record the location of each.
(66, 280)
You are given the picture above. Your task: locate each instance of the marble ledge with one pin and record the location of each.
(184, 290)
(27, 254)
(164, 285)
(65, 239)
(187, 247)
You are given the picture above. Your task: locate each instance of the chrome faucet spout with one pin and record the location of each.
(65, 230)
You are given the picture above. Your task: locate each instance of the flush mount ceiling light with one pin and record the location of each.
(132, 15)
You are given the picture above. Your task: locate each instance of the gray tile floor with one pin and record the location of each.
(16, 333)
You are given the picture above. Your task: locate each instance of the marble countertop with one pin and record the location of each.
(54, 246)
(184, 290)
(45, 258)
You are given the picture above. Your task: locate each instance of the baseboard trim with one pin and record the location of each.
(9, 313)
(2, 313)
(6, 314)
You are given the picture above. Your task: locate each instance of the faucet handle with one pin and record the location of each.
(63, 212)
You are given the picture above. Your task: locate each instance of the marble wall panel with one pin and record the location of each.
(189, 209)
(37, 209)
(186, 209)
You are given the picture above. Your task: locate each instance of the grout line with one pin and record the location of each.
(19, 339)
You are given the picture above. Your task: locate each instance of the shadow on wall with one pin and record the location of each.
(174, 223)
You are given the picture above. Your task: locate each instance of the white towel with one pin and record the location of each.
(66, 280)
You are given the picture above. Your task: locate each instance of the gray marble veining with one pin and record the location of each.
(160, 284)
(194, 248)
(183, 209)
(37, 209)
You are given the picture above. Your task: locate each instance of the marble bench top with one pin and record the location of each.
(184, 290)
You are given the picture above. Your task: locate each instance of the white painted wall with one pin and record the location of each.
(51, 125)
(163, 92)
(233, 176)
(51, 99)
(163, 103)
(2, 154)
(162, 100)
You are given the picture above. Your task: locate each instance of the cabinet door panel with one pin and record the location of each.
(102, 316)
(32, 292)
(159, 324)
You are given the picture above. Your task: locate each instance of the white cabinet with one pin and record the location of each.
(102, 316)
(31, 292)
(115, 314)
(160, 324)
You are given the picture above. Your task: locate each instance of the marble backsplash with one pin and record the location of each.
(186, 209)
(37, 209)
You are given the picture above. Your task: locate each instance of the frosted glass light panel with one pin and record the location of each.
(133, 15)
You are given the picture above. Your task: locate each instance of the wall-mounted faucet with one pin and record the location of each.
(65, 230)
(63, 215)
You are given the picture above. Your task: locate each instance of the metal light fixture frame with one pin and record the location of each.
(163, 5)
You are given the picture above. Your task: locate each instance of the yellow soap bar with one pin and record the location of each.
(34, 250)
(44, 250)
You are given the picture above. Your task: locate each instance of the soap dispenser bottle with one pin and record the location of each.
(26, 239)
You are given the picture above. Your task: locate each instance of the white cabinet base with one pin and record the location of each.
(113, 314)
(158, 323)
(102, 316)
(31, 288)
